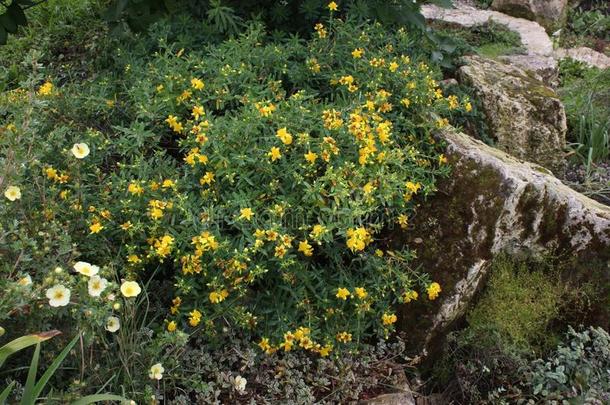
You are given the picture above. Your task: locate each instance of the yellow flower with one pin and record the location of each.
(468, 106)
(317, 231)
(306, 248)
(80, 150)
(134, 259)
(442, 159)
(135, 189)
(96, 227)
(25, 281)
(12, 193)
(265, 346)
(284, 136)
(357, 53)
(311, 157)
(358, 239)
(194, 318)
(197, 84)
(403, 221)
(413, 187)
(274, 154)
(332, 6)
(320, 30)
(389, 319)
(130, 289)
(246, 213)
(208, 178)
(409, 296)
(393, 67)
(344, 337)
(343, 293)
(46, 89)
(171, 327)
(433, 291)
(360, 292)
(125, 226)
(325, 350)
(217, 297)
(198, 111)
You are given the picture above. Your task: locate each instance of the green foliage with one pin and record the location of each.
(33, 389)
(588, 27)
(293, 378)
(577, 371)
(358, 186)
(586, 96)
(518, 319)
(490, 39)
(12, 16)
(516, 309)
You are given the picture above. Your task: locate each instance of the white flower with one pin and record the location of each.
(156, 371)
(113, 324)
(86, 269)
(80, 150)
(25, 281)
(96, 285)
(130, 289)
(12, 193)
(239, 384)
(58, 295)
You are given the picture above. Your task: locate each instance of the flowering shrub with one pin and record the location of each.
(263, 180)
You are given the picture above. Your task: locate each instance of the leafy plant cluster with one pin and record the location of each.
(246, 186)
(589, 27)
(511, 348)
(584, 92)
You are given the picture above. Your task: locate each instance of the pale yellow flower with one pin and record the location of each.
(130, 289)
(112, 324)
(86, 269)
(12, 193)
(156, 371)
(58, 295)
(80, 150)
(96, 285)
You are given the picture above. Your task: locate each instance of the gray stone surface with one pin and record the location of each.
(493, 203)
(585, 55)
(525, 116)
(551, 14)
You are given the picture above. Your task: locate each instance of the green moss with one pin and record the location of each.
(517, 308)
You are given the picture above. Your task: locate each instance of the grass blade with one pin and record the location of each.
(28, 397)
(53, 367)
(90, 399)
(25, 341)
(4, 395)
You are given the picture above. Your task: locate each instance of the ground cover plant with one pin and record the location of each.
(244, 186)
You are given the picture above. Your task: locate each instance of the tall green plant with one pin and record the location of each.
(33, 389)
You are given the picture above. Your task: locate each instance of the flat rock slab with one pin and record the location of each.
(586, 55)
(533, 36)
(494, 203)
(526, 117)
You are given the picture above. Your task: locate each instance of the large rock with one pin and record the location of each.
(526, 117)
(491, 204)
(551, 14)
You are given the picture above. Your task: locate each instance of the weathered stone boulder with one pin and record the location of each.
(551, 14)
(526, 117)
(491, 204)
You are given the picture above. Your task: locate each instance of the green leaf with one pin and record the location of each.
(7, 22)
(91, 399)
(4, 395)
(17, 14)
(53, 367)
(28, 397)
(24, 341)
